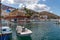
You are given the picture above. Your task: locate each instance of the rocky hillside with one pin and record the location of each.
(30, 13)
(43, 13)
(4, 7)
(50, 15)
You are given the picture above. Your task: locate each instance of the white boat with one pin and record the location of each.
(5, 33)
(59, 21)
(21, 31)
(6, 30)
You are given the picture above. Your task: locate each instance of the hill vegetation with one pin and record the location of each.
(48, 14)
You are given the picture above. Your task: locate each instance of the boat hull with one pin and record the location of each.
(18, 34)
(23, 32)
(6, 36)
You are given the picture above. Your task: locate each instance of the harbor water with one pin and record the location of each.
(42, 31)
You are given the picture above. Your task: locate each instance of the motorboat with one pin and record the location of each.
(59, 21)
(22, 31)
(5, 30)
(5, 33)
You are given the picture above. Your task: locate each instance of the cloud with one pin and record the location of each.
(8, 1)
(12, 2)
(30, 4)
(21, 6)
(21, 1)
(2, 0)
(26, 1)
(51, 11)
(44, 0)
(38, 7)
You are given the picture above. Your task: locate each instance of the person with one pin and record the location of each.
(23, 29)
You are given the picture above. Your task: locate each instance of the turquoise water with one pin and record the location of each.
(43, 31)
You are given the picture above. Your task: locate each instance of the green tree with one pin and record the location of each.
(28, 12)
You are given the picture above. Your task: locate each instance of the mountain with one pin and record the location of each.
(17, 12)
(42, 14)
(4, 7)
(31, 13)
(49, 15)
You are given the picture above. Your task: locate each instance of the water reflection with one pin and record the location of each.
(45, 31)
(24, 38)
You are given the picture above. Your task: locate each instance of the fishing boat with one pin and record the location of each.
(5, 33)
(22, 31)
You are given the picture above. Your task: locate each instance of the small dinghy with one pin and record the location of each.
(22, 31)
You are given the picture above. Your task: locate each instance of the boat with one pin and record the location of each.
(5, 33)
(5, 30)
(22, 31)
(58, 22)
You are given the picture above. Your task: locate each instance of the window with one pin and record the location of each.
(4, 30)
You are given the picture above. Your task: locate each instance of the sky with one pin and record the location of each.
(52, 6)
